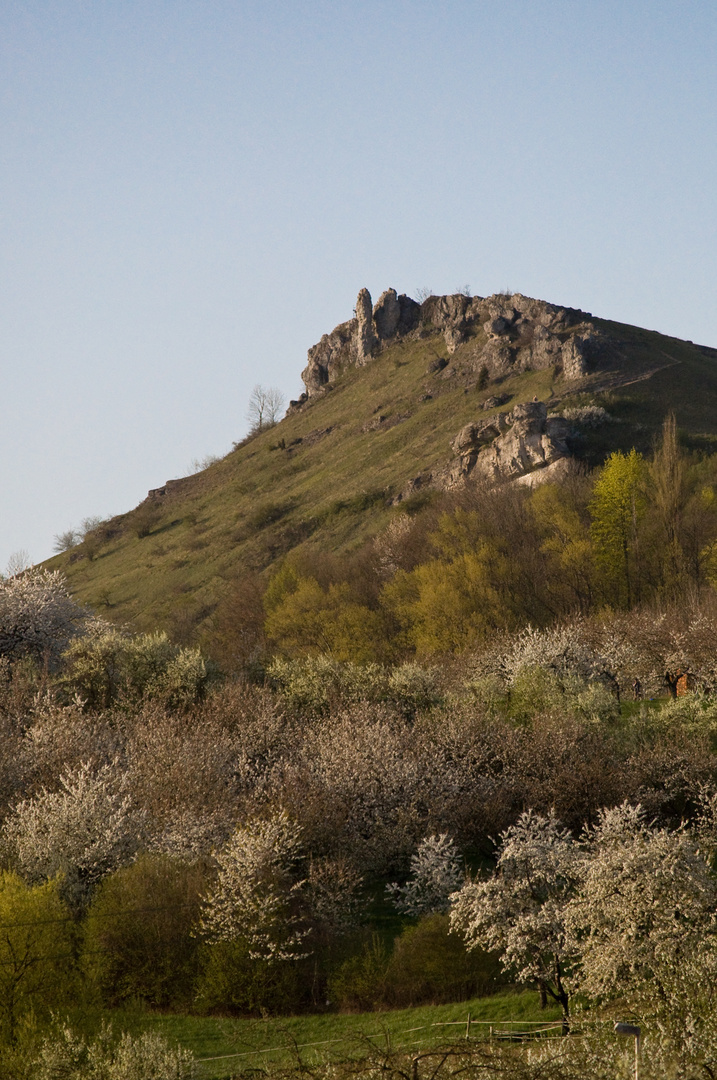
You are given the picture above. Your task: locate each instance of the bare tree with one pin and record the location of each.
(265, 407)
(65, 540)
(18, 563)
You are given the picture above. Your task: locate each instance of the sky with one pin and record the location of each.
(192, 192)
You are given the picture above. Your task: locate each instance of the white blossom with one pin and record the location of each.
(83, 831)
(38, 617)
(435, 874)
(643, 922)
(520, 910)
(257, 891)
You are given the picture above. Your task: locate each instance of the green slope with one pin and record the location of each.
(325, 476)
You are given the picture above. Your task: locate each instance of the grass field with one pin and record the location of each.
(226, 1047)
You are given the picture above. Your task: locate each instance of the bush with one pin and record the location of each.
(108, 665)
(138, 939)
(315, 684)
(359, 983)
(36, 952)
(148, 1057)
(428, 964)
(232, 979)
(431, 965)
(144, 519)
(413, 687)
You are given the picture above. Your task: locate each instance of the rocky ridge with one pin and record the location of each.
(493, 337)
(510, 333)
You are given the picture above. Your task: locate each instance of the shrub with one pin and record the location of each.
(144, 519)
(315, 684)
(359, 983)
(431, 964)
(138, 939)
(108, 665)
(36, 951)
(233, 979)
(413, 687)
(146, 1057)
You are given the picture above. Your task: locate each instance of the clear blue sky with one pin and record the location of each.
(193, 191)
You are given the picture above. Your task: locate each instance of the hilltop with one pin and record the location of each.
(403, 401)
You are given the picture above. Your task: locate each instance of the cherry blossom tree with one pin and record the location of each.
(82, 831)
(642, 920)
(435, 874)
(38, 617)
(520, 910)
(257, 890)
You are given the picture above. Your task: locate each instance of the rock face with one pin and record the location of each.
(509, 446)
(504, 334)
(364, 336)
(361, 338)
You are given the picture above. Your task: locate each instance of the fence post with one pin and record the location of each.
(468, 1027)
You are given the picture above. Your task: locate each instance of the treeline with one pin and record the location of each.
(198, 844)
(485, 560)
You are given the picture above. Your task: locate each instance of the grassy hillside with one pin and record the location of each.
(325, 478)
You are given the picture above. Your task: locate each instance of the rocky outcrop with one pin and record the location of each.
(358, 340)
(523, 334)
(364, 333)
(512, 333)
(509, 446)
(329, 355)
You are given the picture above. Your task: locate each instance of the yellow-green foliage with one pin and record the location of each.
(304, 617)
(138, 940)
(107, 665)
(452, 602)
(617, 508)
(36, 951)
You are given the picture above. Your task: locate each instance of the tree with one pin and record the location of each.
(18, 563)
(266, 404)
(617, 507)
(256, 891)
(83, 831)
(435, 874)
(38, 617)
(668, 473)
(65, 540)
(36, 950)
(446, 606)
(520, 911)
(138, 939)
(642, 921)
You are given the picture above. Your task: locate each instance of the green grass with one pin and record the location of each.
(229, 1046)
(329, 488)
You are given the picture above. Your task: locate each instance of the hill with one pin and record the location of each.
(402, 401)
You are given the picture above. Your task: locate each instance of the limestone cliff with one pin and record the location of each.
(503, 334)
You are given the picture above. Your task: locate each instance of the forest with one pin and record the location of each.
(477, 753)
